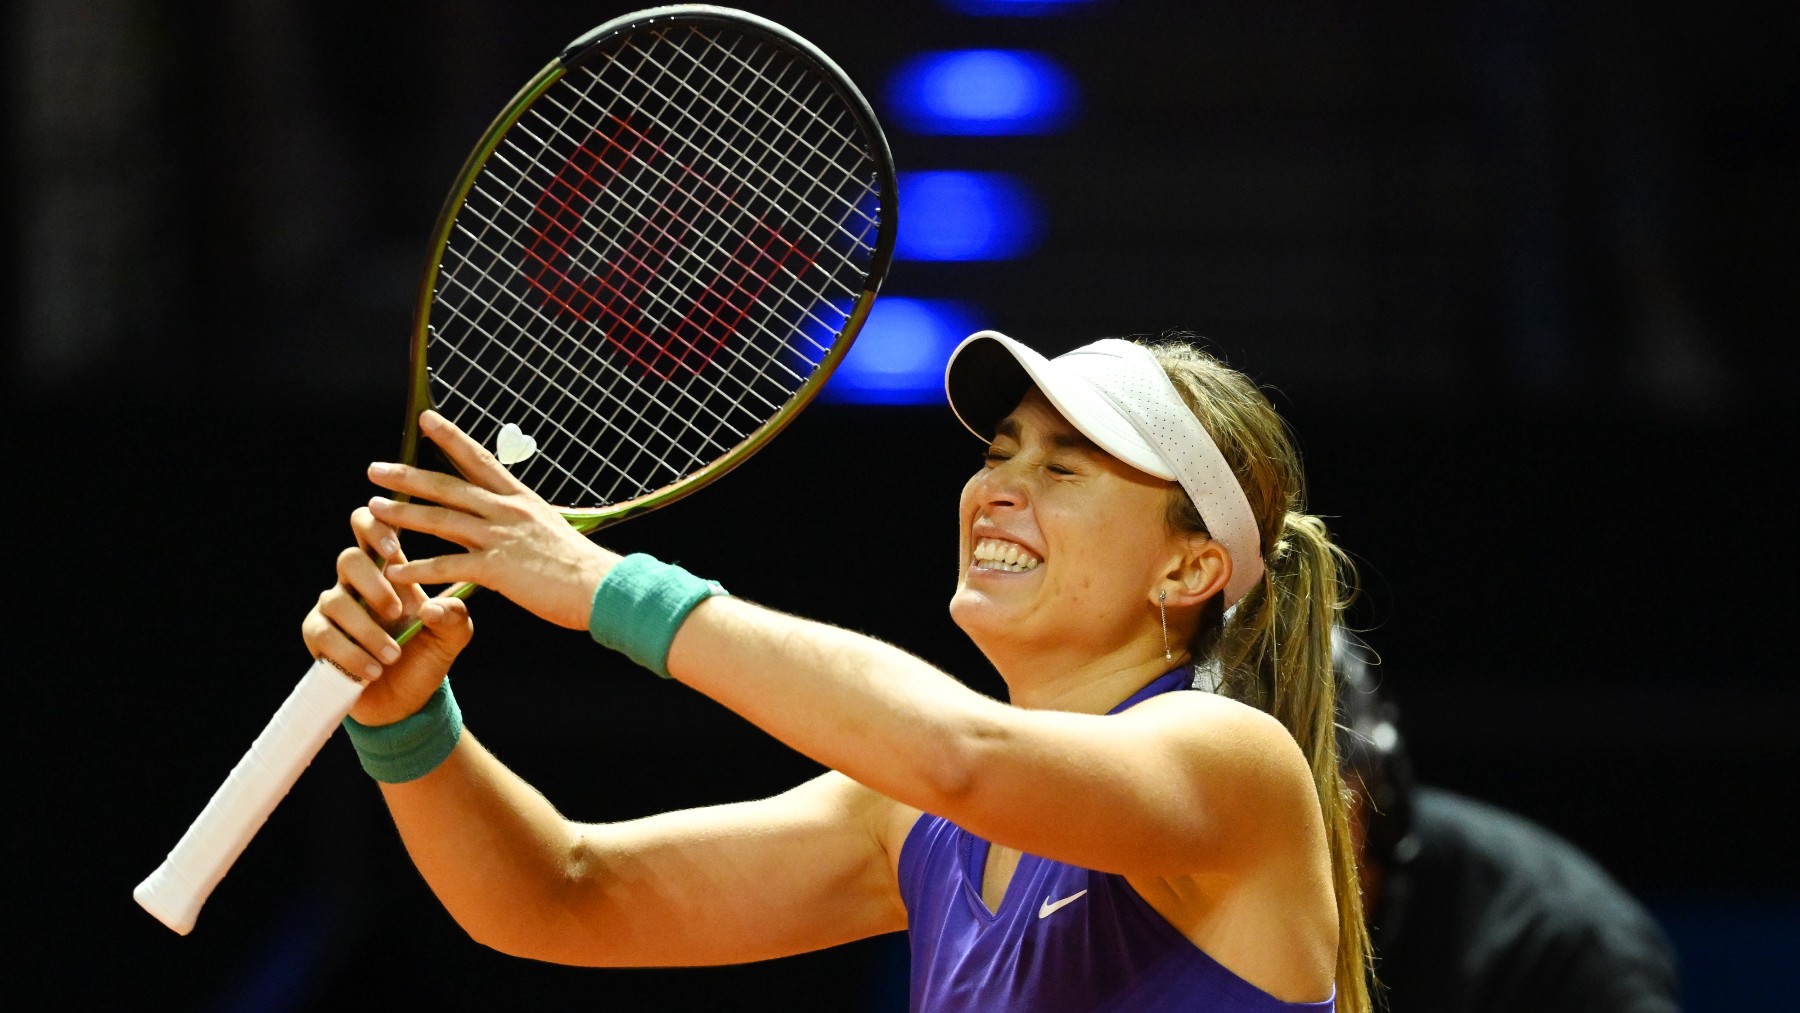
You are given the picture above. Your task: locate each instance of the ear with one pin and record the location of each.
(1201, 570)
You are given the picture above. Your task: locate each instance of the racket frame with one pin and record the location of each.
(592, 44)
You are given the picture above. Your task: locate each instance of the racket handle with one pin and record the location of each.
(178, 887)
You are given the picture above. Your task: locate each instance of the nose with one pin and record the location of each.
(1002, 485)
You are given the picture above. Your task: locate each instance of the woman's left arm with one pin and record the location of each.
(1183, 783)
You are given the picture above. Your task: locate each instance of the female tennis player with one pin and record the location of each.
(1106, 840)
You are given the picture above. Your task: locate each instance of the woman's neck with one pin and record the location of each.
(1090, 686)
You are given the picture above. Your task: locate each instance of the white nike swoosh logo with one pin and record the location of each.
(1050, 908)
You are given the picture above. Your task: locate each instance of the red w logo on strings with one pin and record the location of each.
(689, 252)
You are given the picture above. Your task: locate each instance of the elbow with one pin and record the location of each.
(499, 942)
(491, 932)
(535, 920)
(509, 932)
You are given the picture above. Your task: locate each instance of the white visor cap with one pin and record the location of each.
(1115, 393)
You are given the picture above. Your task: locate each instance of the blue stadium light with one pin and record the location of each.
(899, 357)
(982, 92)
(966, 216)
(1014, 8)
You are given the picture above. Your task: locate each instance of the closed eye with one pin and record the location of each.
(995, 457)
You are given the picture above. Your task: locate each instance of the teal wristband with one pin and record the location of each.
(412, 747)
(639, 605)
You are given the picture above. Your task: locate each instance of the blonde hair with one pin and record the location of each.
(1275, 653)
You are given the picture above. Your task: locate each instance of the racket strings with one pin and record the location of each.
(639, 264)
(618, 377)
(647, 260)
(812, 342)
(771, 94)
(521, 361)
(738, 254)
(676, 233)
(696, 195)
(493, 387)
(821, 211)
(560, 354)
(780, 88)
(479, 406)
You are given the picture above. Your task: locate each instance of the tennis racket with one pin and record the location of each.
(650, 263)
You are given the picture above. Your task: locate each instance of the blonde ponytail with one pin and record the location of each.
(1275, 651)
(1275, 654)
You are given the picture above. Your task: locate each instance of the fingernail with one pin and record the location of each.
(380, 501)
(390, 548)
(382, 468)
(371, 671)
(390, 654)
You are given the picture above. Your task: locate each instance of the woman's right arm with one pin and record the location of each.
(806, 869)
(723, 884)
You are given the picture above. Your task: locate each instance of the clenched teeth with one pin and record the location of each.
(997, 554)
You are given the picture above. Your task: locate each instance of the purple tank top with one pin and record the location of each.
(1065, 940)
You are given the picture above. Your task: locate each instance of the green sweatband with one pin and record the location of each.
(639, 605)
(412, 747)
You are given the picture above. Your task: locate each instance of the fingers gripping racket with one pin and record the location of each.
(650, 263)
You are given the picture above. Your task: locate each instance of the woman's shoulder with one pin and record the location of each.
(1245, 775)
(1219, 725)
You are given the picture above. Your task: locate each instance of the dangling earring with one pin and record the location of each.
(1162, 606)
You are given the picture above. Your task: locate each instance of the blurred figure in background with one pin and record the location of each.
(1474, 909)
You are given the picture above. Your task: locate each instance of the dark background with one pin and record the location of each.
(1521, 276)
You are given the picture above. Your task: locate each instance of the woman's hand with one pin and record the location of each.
(354, 636)
(517, 544)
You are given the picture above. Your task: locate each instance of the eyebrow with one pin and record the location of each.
(1062, 439)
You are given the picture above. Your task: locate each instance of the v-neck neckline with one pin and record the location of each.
(979, 858)
(975, 857)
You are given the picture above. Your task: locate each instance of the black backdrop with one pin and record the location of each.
(1521, 276)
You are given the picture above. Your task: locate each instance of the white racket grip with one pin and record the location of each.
(178, 887)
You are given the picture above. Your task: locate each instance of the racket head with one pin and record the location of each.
(654, 258)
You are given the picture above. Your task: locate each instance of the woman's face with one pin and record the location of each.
(1061, 542)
